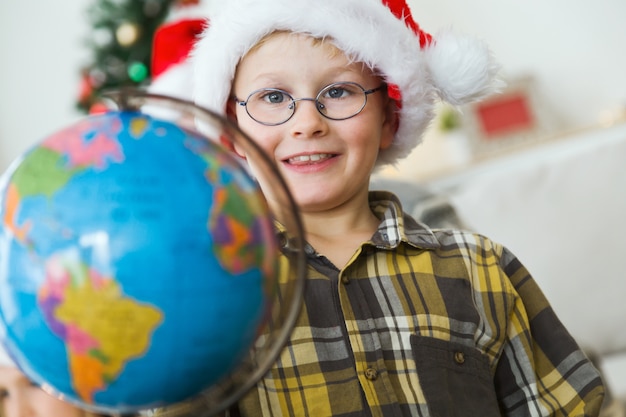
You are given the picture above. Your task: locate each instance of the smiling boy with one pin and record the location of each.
(398, 319)
(327, 163)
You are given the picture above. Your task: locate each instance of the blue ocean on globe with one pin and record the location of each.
(137, 262)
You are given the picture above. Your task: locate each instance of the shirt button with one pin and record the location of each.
(371, 374)
(459, 357)
(345, 280)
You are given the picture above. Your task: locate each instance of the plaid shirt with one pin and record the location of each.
(426, 322)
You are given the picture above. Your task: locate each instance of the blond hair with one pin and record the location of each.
(333, 51)
(316, 41)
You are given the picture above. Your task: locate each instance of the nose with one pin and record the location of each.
(307, 121)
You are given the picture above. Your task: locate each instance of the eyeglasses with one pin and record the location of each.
(337, 101)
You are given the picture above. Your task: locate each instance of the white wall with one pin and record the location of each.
(40, 46)
(575, 47)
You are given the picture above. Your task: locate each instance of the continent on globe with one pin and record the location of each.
(102, 329)
(59, 158)
(239, 235)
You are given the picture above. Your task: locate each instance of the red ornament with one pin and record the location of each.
(184, 3)
(85, 88)
(98, 108)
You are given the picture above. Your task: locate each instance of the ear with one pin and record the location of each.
(391, 122)
(238, 151)
(231, 112)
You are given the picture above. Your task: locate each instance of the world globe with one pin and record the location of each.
(138, 264)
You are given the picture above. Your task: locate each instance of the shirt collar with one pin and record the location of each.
(396, 226)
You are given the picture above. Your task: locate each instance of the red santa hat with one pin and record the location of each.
(171, 45)
(380, 33)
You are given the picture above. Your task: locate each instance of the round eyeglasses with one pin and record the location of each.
(337, 101)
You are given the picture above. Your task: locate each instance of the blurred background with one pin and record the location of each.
(573, 50)
(540, 167)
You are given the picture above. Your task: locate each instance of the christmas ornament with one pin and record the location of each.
(151, 8)
(101, 37)
(127, 34)
(184, 3)
(97, 77)
(85, 88)
(98, 108)
(137, 71)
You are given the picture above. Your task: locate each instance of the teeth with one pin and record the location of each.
(310, 158)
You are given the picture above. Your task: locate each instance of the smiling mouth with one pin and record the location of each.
(309, 159)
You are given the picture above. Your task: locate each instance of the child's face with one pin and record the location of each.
(19, 397)
(325, 162)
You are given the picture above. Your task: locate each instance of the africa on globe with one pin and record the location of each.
(137, 262)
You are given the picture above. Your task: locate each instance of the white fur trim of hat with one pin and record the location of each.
(380, 33)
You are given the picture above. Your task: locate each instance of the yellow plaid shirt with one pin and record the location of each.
(426, 322)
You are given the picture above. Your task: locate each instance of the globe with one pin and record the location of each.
(138, 263)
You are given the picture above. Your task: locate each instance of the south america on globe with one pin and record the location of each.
(137, 262)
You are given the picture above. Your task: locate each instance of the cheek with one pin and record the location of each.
(368, 136)
(245, 126)
(263, 136)
(242, 122)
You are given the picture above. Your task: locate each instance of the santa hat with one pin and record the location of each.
(172, 42)
(380, 33)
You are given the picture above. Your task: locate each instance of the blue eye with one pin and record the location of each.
(336, 92)
(341, 91)
(274, 97)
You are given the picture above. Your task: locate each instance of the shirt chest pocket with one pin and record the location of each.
(455, 378)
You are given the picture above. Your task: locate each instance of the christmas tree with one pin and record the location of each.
(121, 44)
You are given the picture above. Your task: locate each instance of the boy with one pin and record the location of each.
(398, 319)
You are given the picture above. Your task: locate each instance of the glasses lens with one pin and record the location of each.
(341, 100)
(270, 106)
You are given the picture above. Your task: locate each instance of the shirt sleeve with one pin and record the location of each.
(542, 370)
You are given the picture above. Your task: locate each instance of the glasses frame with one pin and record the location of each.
(318, 105)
